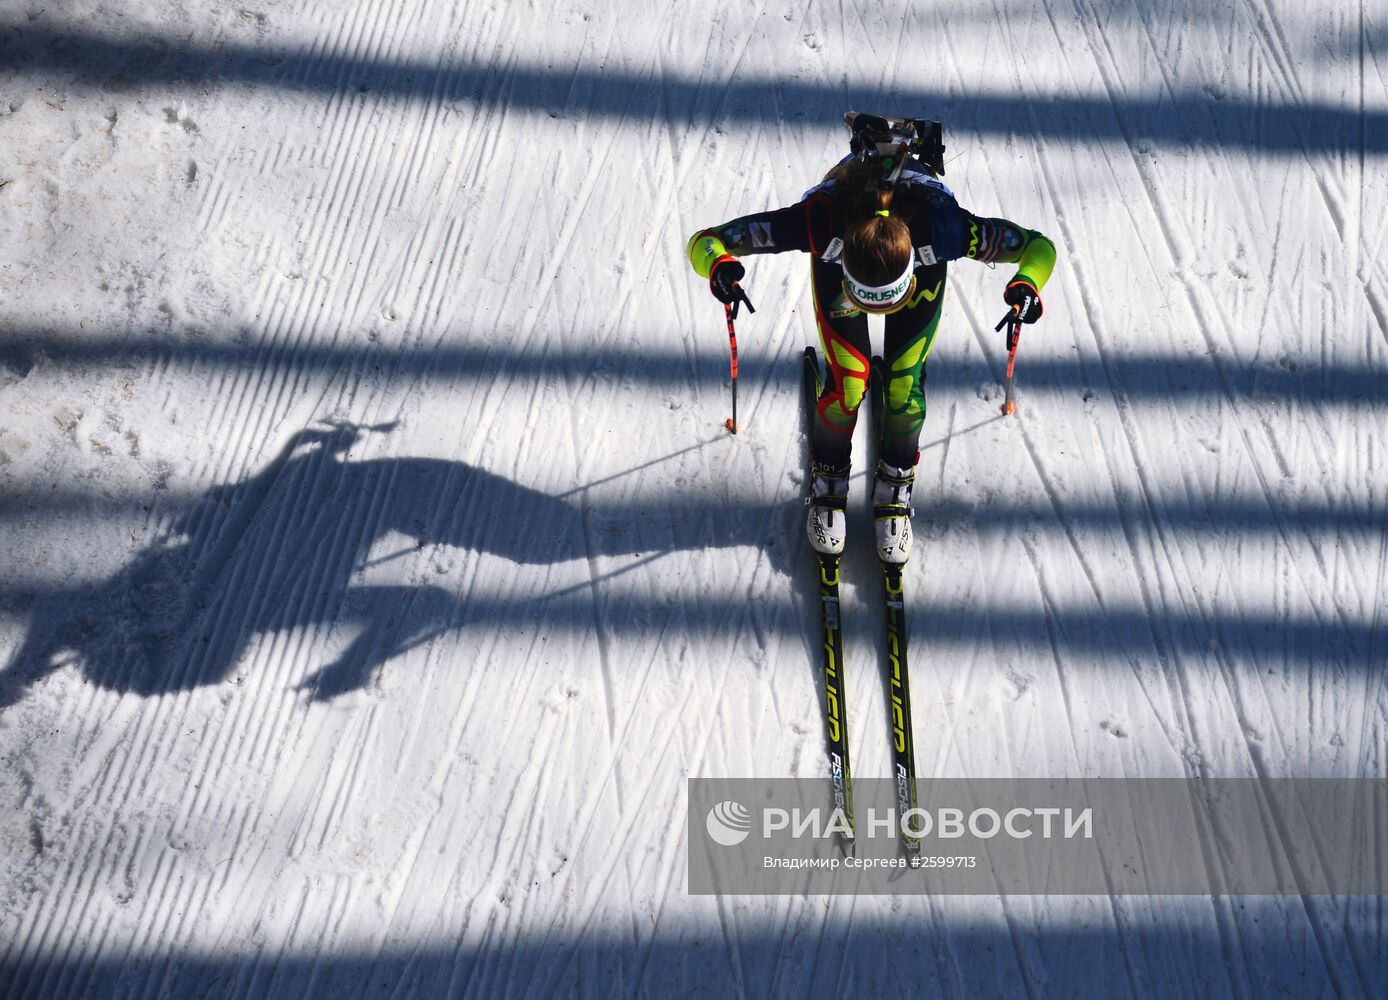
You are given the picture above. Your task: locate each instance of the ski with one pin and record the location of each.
(898, 681)
(903, 745)
(835, 707)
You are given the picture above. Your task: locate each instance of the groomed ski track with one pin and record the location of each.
(376, 569)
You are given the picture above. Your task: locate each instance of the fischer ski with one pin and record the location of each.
(835, 706)
(899, 687)
(898, 678)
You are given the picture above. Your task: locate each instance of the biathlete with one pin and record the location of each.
(880, 230)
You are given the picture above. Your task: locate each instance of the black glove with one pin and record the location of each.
(1025, 300)
(726, 270)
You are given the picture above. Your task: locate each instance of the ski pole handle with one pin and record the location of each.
(741, 294)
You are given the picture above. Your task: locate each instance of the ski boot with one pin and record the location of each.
(891, 512)
(827, 523)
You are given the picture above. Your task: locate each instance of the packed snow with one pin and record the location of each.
(377, 568)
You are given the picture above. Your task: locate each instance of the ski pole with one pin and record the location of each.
(730, 311)
(1014, 333)
(731, 423)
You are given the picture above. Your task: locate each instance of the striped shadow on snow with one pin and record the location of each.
(1176, 118)
(1131, 373)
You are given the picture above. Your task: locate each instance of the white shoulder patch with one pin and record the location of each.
(761, 234)
(834, 251)
(927, 255)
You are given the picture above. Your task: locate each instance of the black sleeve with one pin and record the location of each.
(803, 226)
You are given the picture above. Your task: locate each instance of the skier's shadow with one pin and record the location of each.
(288, 548)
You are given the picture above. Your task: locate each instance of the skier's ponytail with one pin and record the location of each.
(876, 249)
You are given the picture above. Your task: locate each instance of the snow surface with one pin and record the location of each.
(376, 570)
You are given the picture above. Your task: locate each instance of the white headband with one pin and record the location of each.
(881, 296)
